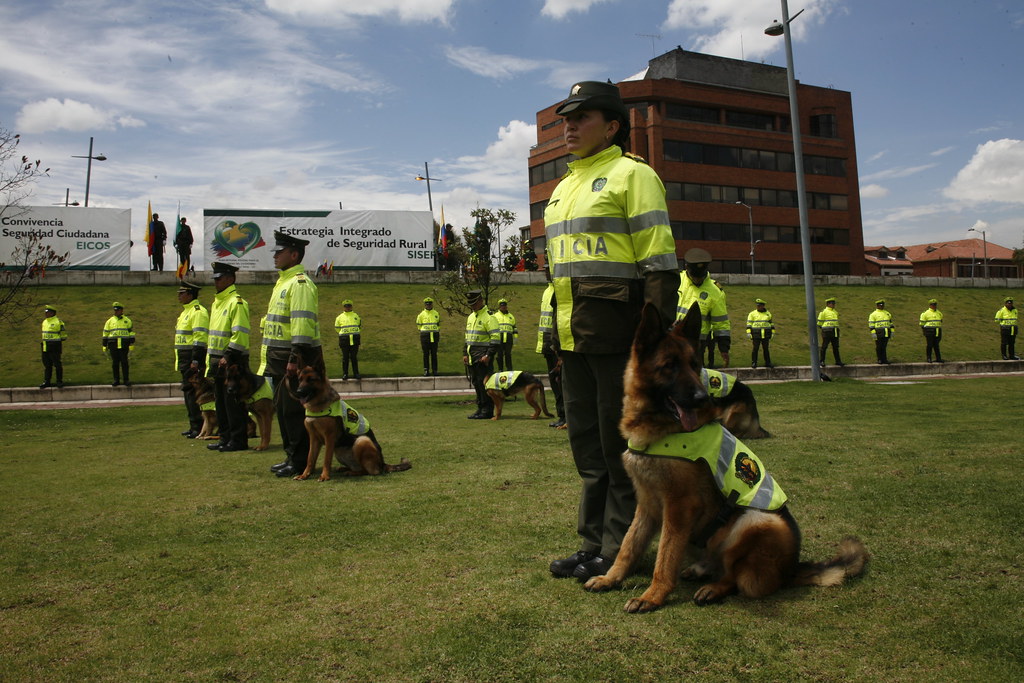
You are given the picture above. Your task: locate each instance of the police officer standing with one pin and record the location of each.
(931, 326)
(228, 345)
(292, 335)
(482, 345)
(1006, 318)
(697, 288)
(610, 251)
(507, 334)
(882, 330)
(191, 332)
(118, 343)
(828, 322)
(428, 322)
(54, 335)
(349, 327)
(760, 329)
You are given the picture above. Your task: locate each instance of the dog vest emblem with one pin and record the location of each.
(500, 381)
(740, 475)
(718, 384)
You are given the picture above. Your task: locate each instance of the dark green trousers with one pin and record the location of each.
(592, 391)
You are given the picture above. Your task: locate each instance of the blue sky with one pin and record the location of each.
(254, 104)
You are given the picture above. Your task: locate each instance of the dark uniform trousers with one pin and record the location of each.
(1007, 340)
(592, 387)
(52, 351)
(349, 345)
(761, 342)
(555, 380)
(932, 337)
(119, 361)
(429, 350)
(195, 416)
(232, 414)
(291, 416)
(829, 337)
(503, 358)
(478, 372)
(881, 344)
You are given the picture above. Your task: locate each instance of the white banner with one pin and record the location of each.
(341, 239)
(95, 239)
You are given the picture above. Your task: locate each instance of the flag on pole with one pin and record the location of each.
(177, 227)
(442, 238)
(149, 232)
(182, 269)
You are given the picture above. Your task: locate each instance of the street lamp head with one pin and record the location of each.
(100, 158)
(776, 29)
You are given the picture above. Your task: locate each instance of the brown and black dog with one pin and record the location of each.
(327, 423)
(750, 546)
(255, 392)
(202, 386)
(502, 385)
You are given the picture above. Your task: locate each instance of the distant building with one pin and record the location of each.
(957, 258)
(718, 133)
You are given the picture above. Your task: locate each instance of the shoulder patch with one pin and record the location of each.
(635, 157)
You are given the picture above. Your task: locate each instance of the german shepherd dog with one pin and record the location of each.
(202, 386)
(531, 388)
(750, 551)
(359, 454)
(735, 405)
(243, 385)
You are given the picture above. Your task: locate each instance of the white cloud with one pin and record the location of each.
(53, 114)
(873, 191)
(735, 28)
(898, 172)
(347, 12)
(994, 174)
(940, 152)
(559, 9)
(877, 155)
(482, 62)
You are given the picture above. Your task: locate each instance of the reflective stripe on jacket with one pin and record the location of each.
(546, 318)
(229, 324)
(740, 475)
(714, 317)
(292, 318)
(610, 249)
(118, 330)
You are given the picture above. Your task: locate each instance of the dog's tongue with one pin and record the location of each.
(687, 418)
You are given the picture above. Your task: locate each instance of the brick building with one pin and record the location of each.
(717, 131)
(967, 258)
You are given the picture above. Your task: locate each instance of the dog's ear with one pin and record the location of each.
(650, 332)
(689, 327)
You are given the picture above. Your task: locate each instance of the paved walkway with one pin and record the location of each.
(103, 396)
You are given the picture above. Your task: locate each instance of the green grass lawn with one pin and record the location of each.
(391, 342)
(129, 553)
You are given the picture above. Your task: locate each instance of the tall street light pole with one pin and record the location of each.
(430, 203)
(88, 171)
(784, 30)
(750, 219)
(984, 245)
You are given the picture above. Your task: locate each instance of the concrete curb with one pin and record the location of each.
(71, 396)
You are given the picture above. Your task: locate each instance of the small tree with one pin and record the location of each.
(476, 268)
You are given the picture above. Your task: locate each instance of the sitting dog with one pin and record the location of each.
(255, 391)
(735, 403)
(502, 385)
(332, 423)
(700, 485)
(202, 386)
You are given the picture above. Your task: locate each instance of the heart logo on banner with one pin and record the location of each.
(238, 239)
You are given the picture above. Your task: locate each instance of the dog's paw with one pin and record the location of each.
(324, 477)
(640, 606)
(300, 477)
(709, 594)
(599, 584)
(259, 448)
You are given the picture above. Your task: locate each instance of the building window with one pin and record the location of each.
(746, 119)
(549, 170)
(824, 126)
(552, 124)
(537, 210)
(685, 112)
(741, 157)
